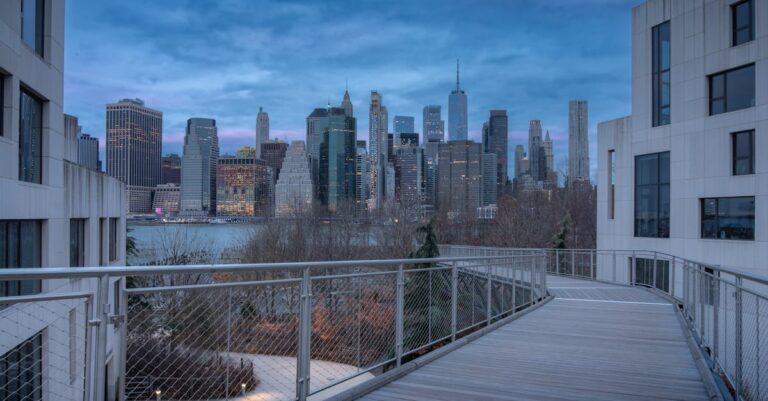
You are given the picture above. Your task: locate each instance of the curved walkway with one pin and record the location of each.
(593, 341)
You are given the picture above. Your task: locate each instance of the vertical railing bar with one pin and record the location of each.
(738, 340)
(229, 342)
(655, 267)
(672, 278)
(399, 311)
(102, 306)
(489, 294)
(573, 263)
(614, 266)
(305, 338)
(715, 324)
(90, 311)
(454, 300)
(592, 275)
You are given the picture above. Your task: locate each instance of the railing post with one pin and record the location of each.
(101, 321)
(229, 342)
(305, 338)
(655, 267)
(573, 263)
(489, 295)
(454, 300)
(123, 341)
(614, 265)
(592, 274)
(738, 340)
(399, 310)
(672, 278)
(557, 261)
(514, 289)
(632, 268)
(715, 323)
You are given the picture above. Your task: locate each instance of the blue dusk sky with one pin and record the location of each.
(223, 59)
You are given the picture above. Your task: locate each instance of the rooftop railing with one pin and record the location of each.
(280, 331)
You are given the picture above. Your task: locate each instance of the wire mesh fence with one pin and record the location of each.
(44, 344)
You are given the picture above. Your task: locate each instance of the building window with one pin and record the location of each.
(102, 239)
(732, 90)
(2, 104)
(661, 75)
(728, 218)
(113, 237)
(645, 274)
(21, 371)
(32, 22)
(743, 152)
(76, 242)
(30, 138)
(19, 247)
(742, 21)
(652, 195)
(611, 184)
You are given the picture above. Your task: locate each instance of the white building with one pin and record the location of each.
(53, 213)
(293, 191)
(687, 172)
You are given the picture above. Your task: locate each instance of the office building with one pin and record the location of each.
(245, 186)
(134, 144)
(378, 149)
(402, 124)
(490, 175)
(578, 141)
(262, 130)
(686, 172)
(317, 123)
(346, 104)
(459, 178)
(495, 141)
(171, 169)
(88, 151)
(433, 126)
(337, 160)
(409, 175)
(362, 176)
(54, 212)
(519, 156)
(273, 152)
(293, 191)
(536, 158)
(198, 168)
(457, 112)
(408, 139)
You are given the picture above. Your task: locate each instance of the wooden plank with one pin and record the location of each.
(602, 343)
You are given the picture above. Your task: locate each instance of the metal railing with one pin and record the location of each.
(280, 331)
(726, 310)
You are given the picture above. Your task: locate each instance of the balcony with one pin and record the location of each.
(476, 323)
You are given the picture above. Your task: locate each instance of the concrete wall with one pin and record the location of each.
(699, 144)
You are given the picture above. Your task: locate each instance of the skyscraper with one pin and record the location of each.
(362, 175)
(198, 168)
(262, 130)
(460, 177)
(433, 127)
(496, 141)
(134, 143)
(317, 122)
(378, 151)
(519, 156)
(549, 153)
(171, 169)
(402, 124)
(293, 191)
(88, 151)
(337, 159)
(346, 104)
(273, 152)
(578, 141)
(457, 111)
(409, 161)
(535, 152)
(490, 175)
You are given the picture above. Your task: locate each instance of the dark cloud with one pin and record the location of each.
(224, 59)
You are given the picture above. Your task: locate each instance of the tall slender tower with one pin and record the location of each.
(535, 153)
(457, 111)
(198, 168)
(262, 130)
(346, 104)
(578, 141)
(549, 153)
(496, 141)
(378, 149)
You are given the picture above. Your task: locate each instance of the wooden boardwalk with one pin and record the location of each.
(592, 342)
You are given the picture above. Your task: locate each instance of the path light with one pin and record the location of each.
(157, 394)
(242, 388)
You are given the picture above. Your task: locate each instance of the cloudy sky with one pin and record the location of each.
(224, 58)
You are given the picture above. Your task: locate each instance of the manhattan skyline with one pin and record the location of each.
(530, 59)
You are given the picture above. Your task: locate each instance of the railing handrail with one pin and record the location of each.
(747, 275)
(39, 273)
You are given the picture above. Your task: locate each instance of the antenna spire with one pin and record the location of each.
(457, 75)
(346, 84)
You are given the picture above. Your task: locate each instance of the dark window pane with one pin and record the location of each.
(30, 138)
(32, 17)
(661, 96)
(740, 91)
(664, 168)
(717, 86)
(20, 247)
(728, 218)
(709, 218)
(743, 21)
(652, 201)
(76, 242)
(717, 106)
(743, 36)
(646, 169)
